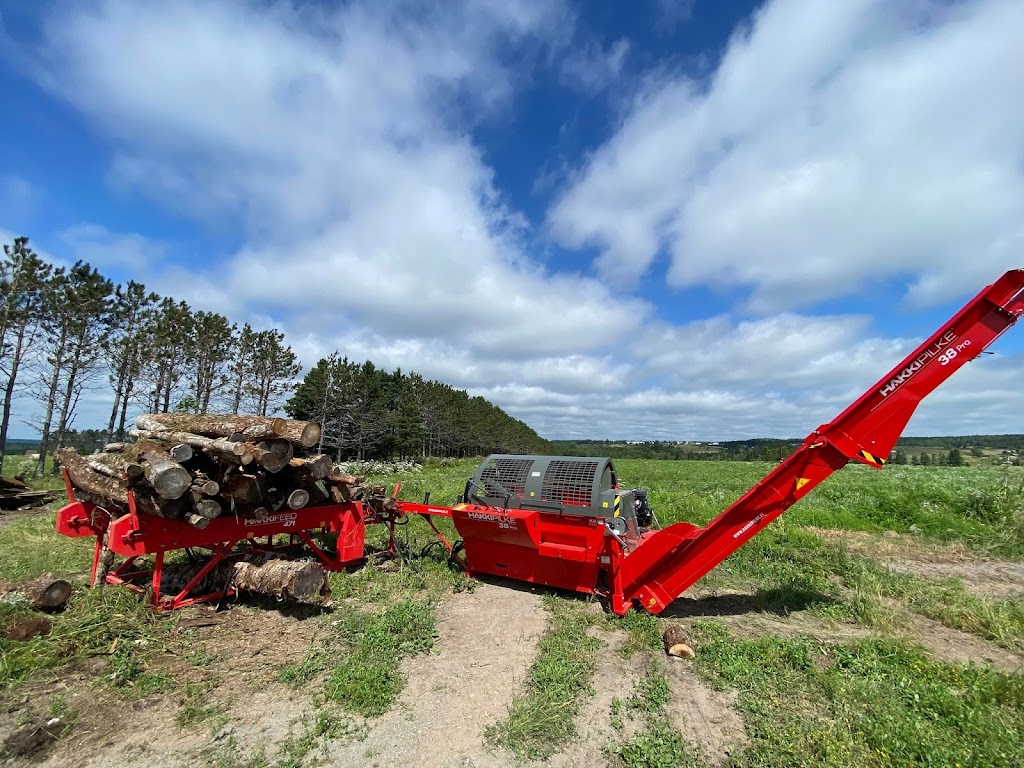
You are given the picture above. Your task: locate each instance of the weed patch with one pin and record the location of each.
(93, 621)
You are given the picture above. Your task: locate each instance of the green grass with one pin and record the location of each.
(367, 679)
(658, 744)
(540, 718)
(870, 703)
(982, 506)
(93, 620)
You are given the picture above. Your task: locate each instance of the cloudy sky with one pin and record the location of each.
(652, 220)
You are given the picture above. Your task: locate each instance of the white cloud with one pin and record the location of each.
(337, 142)
(837, 144)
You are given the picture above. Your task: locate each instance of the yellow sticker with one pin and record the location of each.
(604, 504)
(801, 482)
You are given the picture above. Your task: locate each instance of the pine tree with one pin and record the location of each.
(23, 280)
(133, 315)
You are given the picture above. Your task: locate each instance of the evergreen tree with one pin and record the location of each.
(23, 283)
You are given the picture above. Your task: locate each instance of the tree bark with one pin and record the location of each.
(108, 490)
(236, 453)
(253, 428)
(295, 580)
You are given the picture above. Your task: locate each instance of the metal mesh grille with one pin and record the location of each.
(510, 473)
(569, 482)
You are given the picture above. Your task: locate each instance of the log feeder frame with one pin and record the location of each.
(136, 537)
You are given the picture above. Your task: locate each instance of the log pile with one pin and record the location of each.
(198, 467)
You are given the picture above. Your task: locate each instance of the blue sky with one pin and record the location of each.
(654, 220)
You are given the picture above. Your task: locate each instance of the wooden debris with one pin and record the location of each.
(677, 642)
(45, 593)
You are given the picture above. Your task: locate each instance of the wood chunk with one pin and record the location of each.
(181, 452)
(45, 593)
(169, 479)
(298, 499)
(272, 455)
(305, 434)
(677, 642)
(304, 581)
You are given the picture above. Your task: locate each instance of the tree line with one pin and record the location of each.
(66, 332)
(367, 412)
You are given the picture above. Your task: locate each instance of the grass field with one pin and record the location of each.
(829, 653)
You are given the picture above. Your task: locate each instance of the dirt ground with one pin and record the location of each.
(487, 639)
(904, 553)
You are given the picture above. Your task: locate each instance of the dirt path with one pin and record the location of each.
(904, 553)
(615, 677)
(707, 718)
(487, 641)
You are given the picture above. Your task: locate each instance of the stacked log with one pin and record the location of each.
(197, 467)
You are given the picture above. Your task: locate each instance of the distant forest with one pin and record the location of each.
(909, 450)
(70, 332)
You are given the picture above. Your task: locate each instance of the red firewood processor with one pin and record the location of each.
(561, 521)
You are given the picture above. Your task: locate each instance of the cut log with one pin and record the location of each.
(197, 521)
(260, 513)
(253, 428)
(181, 452)
(207, 508)
(298, 499)
(305, 434)
(105, 468)
(85, 477)
(272, 455)
(204, 485)
(245, 489)
(45, 593)
(114, 447)
(169, 479)
(234, 453)
(305, 471)
(291, 579)
(677, 642)
(351, 480)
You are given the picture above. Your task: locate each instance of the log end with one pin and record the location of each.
(310, 435)
(55, 595)
(678, 643)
